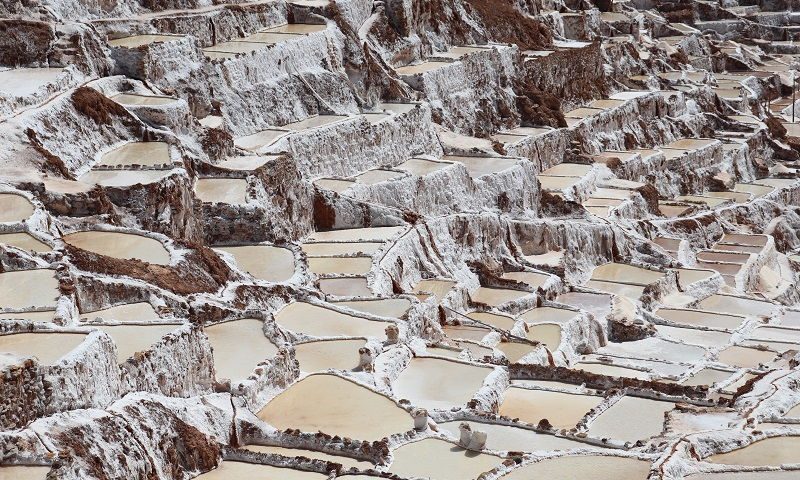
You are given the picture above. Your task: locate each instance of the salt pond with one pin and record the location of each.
(349, 409)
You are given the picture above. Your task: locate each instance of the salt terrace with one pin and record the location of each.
(453, 240)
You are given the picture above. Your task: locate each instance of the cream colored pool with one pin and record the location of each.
(499, 321)
(547, 333)
(323, 322)
(377, 175)
(496, 296)
(700, 318)
(24, 241)
(259, 139)
(48, 348)
(264, 262)
(423, 67)
(346, 462)
(149, 100)
(17, 472)
(345, 287)
(736, 305)
(135, 338)
(438, 288)
(29, 288)
(232, 191)
(372, 234)
(439, 460)
(239, 346)
(132, 312)
(479, 166)
(620, 272)
(123, 178)
(421, 166)
(348, 409)
(384, 307)
(141, 40)
(438, 383)
(532, 279)
(611, 370)
(514, 439)
(744, 357)
(318, 356)
(707, 376)
(771, 451)
(137, 153)
(120, 245)
(631, 419)
(514, 351)
(562, 410)
(594, 467)
(340, 265)
(14, 208)
(21, 82)
(229, 470)
(339, 249)
(655, 349)
(548, 314)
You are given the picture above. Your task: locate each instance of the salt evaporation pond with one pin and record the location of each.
(338, 249)
(439, 460)
(548, 314)
(14, 208)
(120, 245)
(438, 288)
(562, 410)
(594, 467)
(21, 82)
(547, 333)
(229, 470)
(514, 351)
(384, 307)
(123, 178)
(631, 419)
(514, 439)
(346, 462)
(340, 265)
(348, 409)
(131, 312)
(148, 154)
(322, 355)
(438, 383)
(744, 357)
(135, 338)
(371, 234)
(146, 100)
(777, 475)
(24, 241)
(700, 318)
(29, 288)
(498, 321)
(23, 472)
(707, 376)
(232, 191)
(264, 262)
(611, 370)
(345, 287)
(47, 347)
(239, 346)
(324, 322)
(496, 296)
(773, 451)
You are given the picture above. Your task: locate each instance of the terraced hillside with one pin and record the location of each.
(402, 239)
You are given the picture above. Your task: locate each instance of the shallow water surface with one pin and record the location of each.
(439, 460)
(348, 410)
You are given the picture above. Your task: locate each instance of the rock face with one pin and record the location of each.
(313, 239)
